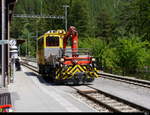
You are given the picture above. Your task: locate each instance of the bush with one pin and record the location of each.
(101, 51)
(130, 54)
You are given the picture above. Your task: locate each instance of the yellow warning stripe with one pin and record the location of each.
(69, 68)
(69, 72)
(77, 70)
(73, 68)
(85, 68)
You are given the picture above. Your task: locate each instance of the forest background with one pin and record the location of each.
(116, 31)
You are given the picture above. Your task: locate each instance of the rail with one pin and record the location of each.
(33, 68)
(29, 59)
(109, 101)
(130, 80)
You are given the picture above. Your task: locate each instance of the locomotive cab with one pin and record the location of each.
(49, 47)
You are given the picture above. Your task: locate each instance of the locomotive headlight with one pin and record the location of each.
(93, 59)
(62, 60)
(60, 31)
(75, 61)
(61, 65)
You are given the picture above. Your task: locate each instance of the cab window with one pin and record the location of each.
(52, 41)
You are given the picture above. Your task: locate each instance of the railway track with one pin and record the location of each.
(129, 80)
(108, 101)
(102, 99)
(33, 68)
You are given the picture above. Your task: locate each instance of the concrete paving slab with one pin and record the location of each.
(133, 93)
(30, 94)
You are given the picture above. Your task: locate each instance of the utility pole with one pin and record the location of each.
(36, 41)
(27, 42)
(27, 45)
(66, 6)
(41, 6)
(3, 38)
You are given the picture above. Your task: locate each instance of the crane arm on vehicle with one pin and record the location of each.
(72, 32)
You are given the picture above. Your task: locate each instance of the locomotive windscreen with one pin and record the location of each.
(52, 41)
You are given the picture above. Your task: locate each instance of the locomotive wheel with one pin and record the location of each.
(89, 79)
(45, 77)
(73, 81)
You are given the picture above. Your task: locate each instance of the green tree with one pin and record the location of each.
(104, 55)
(104, 26)
(134, 18)
(130, 54)
(78, 17)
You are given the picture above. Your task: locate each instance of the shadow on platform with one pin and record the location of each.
(48, 82)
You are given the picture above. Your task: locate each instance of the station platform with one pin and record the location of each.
(133, 93)
(31, 94)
